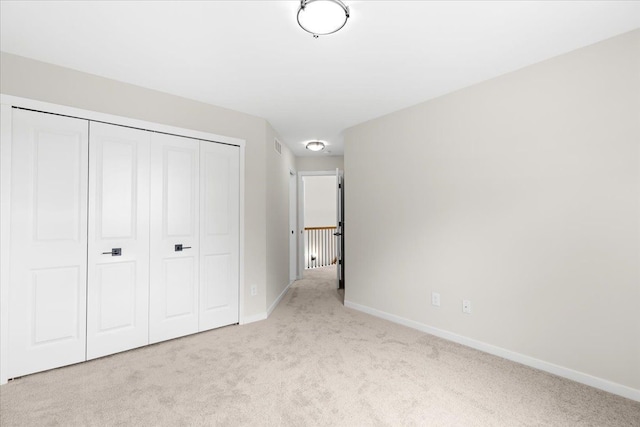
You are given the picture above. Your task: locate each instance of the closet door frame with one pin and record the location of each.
(7, 102)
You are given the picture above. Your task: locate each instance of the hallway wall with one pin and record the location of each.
(277, 251)
(318, 163)
(319, 201)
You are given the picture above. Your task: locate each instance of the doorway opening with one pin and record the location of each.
(320, 222)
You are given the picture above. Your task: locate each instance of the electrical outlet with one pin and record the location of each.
(254, 290)
(435, 299)
(466, 306)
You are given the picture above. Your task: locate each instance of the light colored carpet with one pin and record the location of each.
(313, 362)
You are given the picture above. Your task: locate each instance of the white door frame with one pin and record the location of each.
(301, 175)
(5, 232)
(6, 104)
(293, 225)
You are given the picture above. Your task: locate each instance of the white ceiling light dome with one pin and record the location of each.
(315, 146)
(322, 17)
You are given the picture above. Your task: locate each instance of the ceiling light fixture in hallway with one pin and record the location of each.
(315, 146)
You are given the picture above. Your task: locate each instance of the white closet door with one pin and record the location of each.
(47, 290)
(173, 309)
(118, 288)
(219, 225)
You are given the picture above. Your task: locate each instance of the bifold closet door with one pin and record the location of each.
(118, 269)
(48, 255)
(219, 241)
(173, 302)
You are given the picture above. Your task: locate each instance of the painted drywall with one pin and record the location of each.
(45, 82)
(521, 194)
(319, 201)
(319, 163)
(277, 251)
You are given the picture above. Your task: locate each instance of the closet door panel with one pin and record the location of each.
(179, 287)
(47, 288)
(114, 291)
(118, 289)
(174, 221)
(219, 218)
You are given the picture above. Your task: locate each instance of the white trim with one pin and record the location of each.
(300, 229)
(277, 301)
(318, 173)
(561, 371)
(241, 295)
(5, 233)
(254, 318)
(116, 120)
(293, 224)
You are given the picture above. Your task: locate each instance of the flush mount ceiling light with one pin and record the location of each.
(322, 17)
(315, 146)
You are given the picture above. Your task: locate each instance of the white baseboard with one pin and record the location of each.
(277, 301)
(263, 316)
(253, 318)
(581, 377)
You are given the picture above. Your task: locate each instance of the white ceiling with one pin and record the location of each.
(251, 56)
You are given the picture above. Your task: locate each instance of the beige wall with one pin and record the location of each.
(320, 204)
(521, 194)
(277, 251)
(319, 163)
(45, 82)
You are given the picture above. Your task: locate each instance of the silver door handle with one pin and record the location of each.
(179, 248)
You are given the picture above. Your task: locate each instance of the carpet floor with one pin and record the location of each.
(312, 363)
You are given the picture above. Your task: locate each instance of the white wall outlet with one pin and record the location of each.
(435, 299)
(466, 306)
(254, 290)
